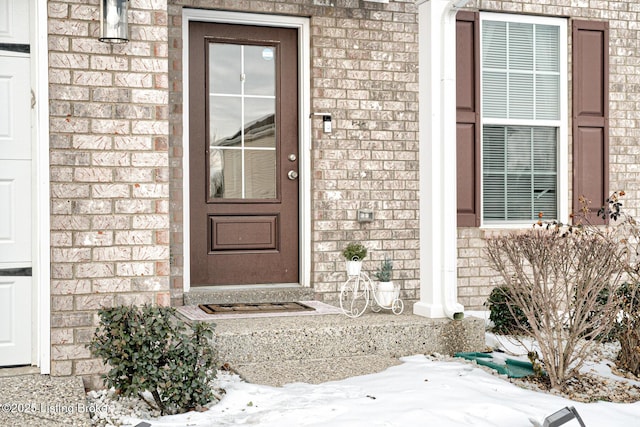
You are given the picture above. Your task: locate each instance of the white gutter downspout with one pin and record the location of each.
(437, 117)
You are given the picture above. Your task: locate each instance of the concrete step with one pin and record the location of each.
(280, 339)
(313, 371)
(247, 294)
(276, 350)
(41, 400)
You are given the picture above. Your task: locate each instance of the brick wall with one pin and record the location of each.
(475, 279)
(109, 172)
(116, 149)
(364, 71)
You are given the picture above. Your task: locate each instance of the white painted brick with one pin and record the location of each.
(149, 127)
(149, 159)
(113, 285)
(151, 252)
(137, 143)
(135, 206)
(93, 238)
(141, 80)
(66, 222)
(135, 268)
(149, 96)
(92, 142)
(137, 175)
(111, 222)
(137, 237)
(70, 255)
(92, 78)
(111, 191)
(112, 253)
(112, 63)
(91, 270)
(92, 175)
(70, 287)
(141, 222)
(110, 158)
(151, 190)
(110, 126)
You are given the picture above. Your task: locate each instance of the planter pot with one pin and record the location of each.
(354, 267)
(386, 293)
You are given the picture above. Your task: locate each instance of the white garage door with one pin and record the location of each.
(15, 185)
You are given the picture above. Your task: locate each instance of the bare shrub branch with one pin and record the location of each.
(560, 279)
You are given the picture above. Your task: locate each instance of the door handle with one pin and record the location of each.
(293, 175)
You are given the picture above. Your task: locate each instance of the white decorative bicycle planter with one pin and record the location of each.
(357, 291)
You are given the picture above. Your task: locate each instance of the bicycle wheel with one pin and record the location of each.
(397, 307)
(354, 297)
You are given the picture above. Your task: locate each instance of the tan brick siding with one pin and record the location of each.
(364, 71)
(109, 173)
(116, 149)
(475, 279)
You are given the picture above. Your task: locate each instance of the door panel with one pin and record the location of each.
(15, 98)
(243, 154)
(14, 21)
(15, 321)
(15, 214)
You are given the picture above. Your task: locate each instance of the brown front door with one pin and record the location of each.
(243, 151)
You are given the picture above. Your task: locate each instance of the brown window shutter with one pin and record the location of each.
(468, 118)
(590, 115)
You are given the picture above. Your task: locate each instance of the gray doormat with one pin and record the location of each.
(258, 307)
(194, 312)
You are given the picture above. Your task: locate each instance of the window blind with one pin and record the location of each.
(520, 71)
(520, 83)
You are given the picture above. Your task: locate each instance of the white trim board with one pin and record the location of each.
(41, 185)
(304, 73)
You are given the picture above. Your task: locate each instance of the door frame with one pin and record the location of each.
(41, 188)
(304, 136)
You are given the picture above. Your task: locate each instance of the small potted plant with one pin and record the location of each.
(354, 253)
(386, 292)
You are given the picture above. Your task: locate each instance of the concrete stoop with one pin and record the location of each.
(279, 350)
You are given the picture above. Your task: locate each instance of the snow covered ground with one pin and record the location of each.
(420, 392)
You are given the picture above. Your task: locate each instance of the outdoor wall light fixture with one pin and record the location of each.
(114, 27)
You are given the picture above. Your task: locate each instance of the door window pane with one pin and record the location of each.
(225, 180)
(242, 122)
(260, 70)
(260, 174)
(225, 71)
(225, 121)
(260, 126)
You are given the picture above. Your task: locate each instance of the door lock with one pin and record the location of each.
(293, 175)
(292, 157)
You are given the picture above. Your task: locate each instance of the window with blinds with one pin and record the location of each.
(521, 67)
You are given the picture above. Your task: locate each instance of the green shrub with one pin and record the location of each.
(148, 349)
(354, 252)
(384, 272)
(501, 315)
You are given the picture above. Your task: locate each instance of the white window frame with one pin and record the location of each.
(562, 124)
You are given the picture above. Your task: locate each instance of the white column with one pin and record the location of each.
(437, 94)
